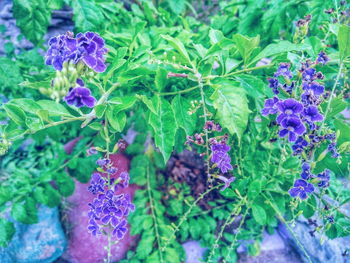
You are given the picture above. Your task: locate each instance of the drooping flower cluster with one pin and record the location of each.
(219, 157)
(108, 210)
(88, 47)
(298, 118)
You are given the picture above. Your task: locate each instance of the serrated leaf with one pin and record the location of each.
(183, 119)
(230, 101)
(65, 184)
(87, 15)
(160, 79)
(32, 17)
(164, 126)
(246, 45)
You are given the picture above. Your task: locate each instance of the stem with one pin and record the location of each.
(153, 215)
(176, 92)
(239, 71)
(205, 112)
(184, 217)
(279, 215)
(109, 248)
(331, 95)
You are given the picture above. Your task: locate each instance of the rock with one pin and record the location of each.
(83, 247)
(40, 243)
(331, 251)
(194, 252)
(273, 250)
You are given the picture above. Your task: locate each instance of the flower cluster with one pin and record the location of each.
(298, 115)
(74, 58)
(108, 210)
(87, 47)
(219, 157)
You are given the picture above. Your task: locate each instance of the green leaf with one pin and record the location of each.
(259, 214)
(54, 108)
(15, 113)
(100, 110)
(177, 44)
(116, 118)
(254, 189)
(230, 101)
(53, 197)
(246, 45)
(25, 212)
(344, 41)
(122, 103)
(177, 6)
(275, 49)
(183, 119)
(149, 103)
(32, 17)
(65, 184)
(164, 126)
(87, 15)
(337, 105)
(161, 79)
(7, 230)
(55, 4)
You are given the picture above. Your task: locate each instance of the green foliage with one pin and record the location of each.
(168, 72)
(32, 17)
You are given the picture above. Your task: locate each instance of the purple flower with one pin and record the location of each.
(220, 157)
(301, 189)
(97, 184)
(309, 74)
(283, 70)
(324, 178)
(289, 89)
(80, 96)
(313, 87)
(293, 127)
(288, 108)
(102, 162)
(305, 171)
(227, 181)
(322, 58)
(270, 106)
(127, 204)
(120, 230)
(58, 51)
(333, 150)
(94, 228)
(112, 170)
(92, 49)
(274, 84)
(112, 213)
(299, 145)
(312, 115)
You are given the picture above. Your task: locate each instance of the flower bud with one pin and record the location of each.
(322, 155)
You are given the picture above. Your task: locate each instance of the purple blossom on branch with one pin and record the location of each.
(283, 70)
(80, 96)
(312, 115)
(301, 189)
(322, 58)
(324, 178)
(289, 108)
(293, 127)
(220, 157)
(274, 84)
(299, 145)
(270, 106)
